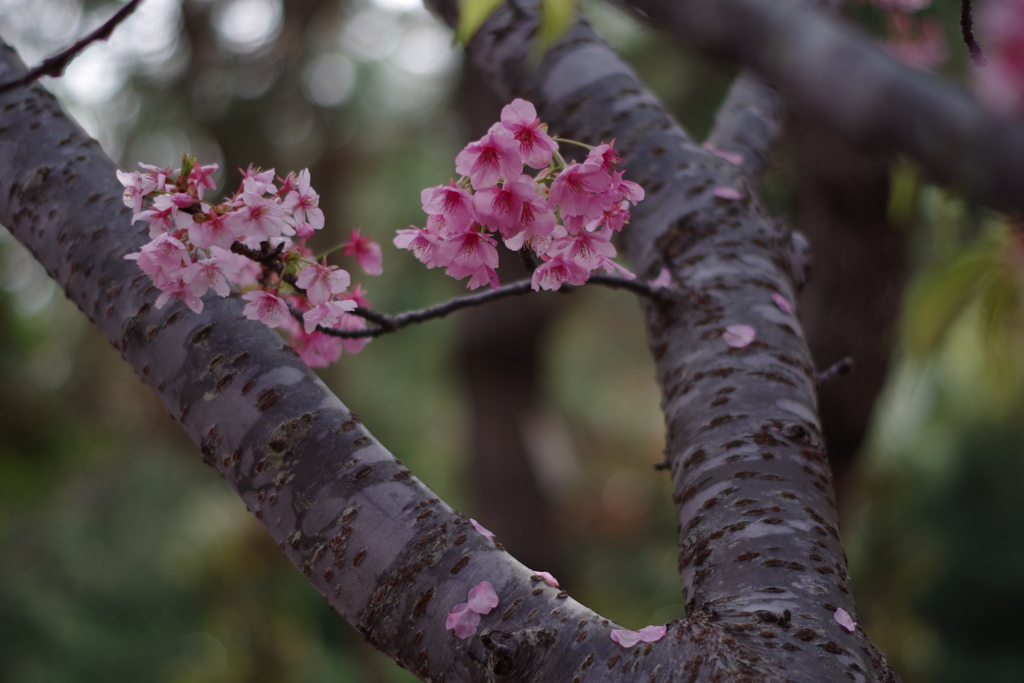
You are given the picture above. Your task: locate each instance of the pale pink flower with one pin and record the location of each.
(844, 619)
(482, 598)
(481, 530)
(200, 178)
(304, 203)
(327, 314)
(168, 250)
(1001, 82)
(258, 182)
(454, 203)
(535, 145)
(494, 156)
(353, 322)
(257, 220)
(422, 243)
(160, 274)
(462, 620)
(501, 209)
(135, 191)
(535, 228)
(782, 302)
(179, 291)
(620, 189)
(154, 177)
(322, 282)
(547, 578)
(471, 253)
(556, 271)
(366, 251)
(270, 310)
(213, 232)
(738, 336)
(606, 265)
(605, 156)
(358, 294)
(585, 248)
(317, 350)
(249, 272)
(575, 190)
(211, 273)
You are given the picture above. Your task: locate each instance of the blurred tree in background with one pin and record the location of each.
(123, 558)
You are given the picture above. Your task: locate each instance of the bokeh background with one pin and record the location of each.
(123, 558)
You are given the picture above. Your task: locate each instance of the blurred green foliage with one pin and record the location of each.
(123, 558)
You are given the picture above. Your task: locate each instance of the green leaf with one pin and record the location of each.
(938, 296)
(472, 15)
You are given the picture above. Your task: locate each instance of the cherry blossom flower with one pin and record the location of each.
(135, 190)
(326, 314)
(211, 273)
(257, 220)
(738, 336)
(423, 243)
(481, 530)
(471, 253)
(258, 182)
(546, 578)
(556, 271)
(454, 203)
(270, 310)
(494, 156)
(501, 208)
(212, 232)
(535, 145)
(304, 203)
(585, 248)
(317, 350)
(179, 291)
(844, 619)
(574, 189)
(366, 251)
(782, 302)
(621, 189)
(535, 228)
(199, 179)
(353, 322)
(322, 282)
(605, 156)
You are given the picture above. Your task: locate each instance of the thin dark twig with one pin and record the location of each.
(54, 66)
(967, 30)
(390, 323)
(839, 368)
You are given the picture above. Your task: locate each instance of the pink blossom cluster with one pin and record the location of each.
(255, 241)
(1001, 82)
(465, 616)
(565, 215)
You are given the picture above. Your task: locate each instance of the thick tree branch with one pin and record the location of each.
(759, 542)
(828, 69)
(54, 66)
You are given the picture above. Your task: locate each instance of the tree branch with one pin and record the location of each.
(54, 66)
(392, 323)
(832, 71)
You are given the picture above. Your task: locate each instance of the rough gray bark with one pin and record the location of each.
(833, 72)
(761, 562)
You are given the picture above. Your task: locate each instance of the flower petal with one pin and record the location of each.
(625, 638)
(481, 530)
(738, 336)
(652, 634)
(482, 598)
(782, 302)
(546, 578)
(844, 619)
